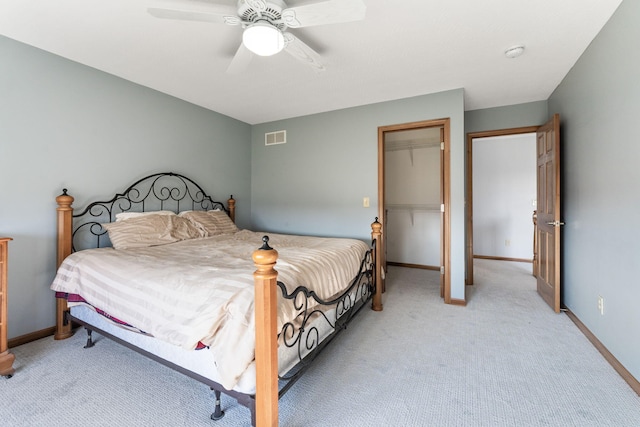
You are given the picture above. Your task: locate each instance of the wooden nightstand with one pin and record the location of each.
(6, 358)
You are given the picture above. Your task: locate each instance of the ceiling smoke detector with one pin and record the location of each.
(514, 52)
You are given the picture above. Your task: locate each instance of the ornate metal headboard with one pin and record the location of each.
(160, 191)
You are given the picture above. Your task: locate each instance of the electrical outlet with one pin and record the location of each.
(365, 202)
(601, 305)
(507, 242)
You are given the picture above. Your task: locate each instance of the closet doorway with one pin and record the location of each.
(413, 197)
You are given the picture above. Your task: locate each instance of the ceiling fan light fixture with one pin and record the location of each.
(263, 39)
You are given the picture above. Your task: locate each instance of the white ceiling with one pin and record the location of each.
(403, 48)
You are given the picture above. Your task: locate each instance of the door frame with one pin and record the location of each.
(445, 171)
(468, 280)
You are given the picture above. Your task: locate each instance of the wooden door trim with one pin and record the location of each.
(445, 123)
(469, 188)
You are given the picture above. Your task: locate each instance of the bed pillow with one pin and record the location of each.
(127, 215)
(150, 230)
(211, 223)
(183, 229)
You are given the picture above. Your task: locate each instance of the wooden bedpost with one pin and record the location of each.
(376, 233)
(266, 302)
(65, 227)
(232, 208)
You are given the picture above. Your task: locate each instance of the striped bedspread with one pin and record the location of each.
(201, 290)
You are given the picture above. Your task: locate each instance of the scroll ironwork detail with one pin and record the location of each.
(319, 321)
(160, 191)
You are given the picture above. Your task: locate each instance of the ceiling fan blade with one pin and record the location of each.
(195, 10)
(240, 61)
(299, 50)
(324, 12)
(185, 15)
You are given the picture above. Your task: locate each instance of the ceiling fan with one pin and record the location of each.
(265, 24)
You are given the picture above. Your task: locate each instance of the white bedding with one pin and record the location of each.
(203, 291)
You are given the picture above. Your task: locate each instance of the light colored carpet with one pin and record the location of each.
(504, 360)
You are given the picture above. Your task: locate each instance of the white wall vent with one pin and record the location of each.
(273, 138)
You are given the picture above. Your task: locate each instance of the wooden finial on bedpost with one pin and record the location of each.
(266, 302)
(376, 233)
(65, 218)
(232, 208)
(65, 233)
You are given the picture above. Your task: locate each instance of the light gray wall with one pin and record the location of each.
(66, 125)
(504, 195)
(599, 106)
(316, 181)
(511, 116)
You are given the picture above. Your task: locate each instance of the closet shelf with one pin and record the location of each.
(411, 145)
(413, 207)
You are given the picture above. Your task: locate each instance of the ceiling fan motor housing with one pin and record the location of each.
(262, 10)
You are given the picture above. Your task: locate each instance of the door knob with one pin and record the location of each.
(555, 223)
